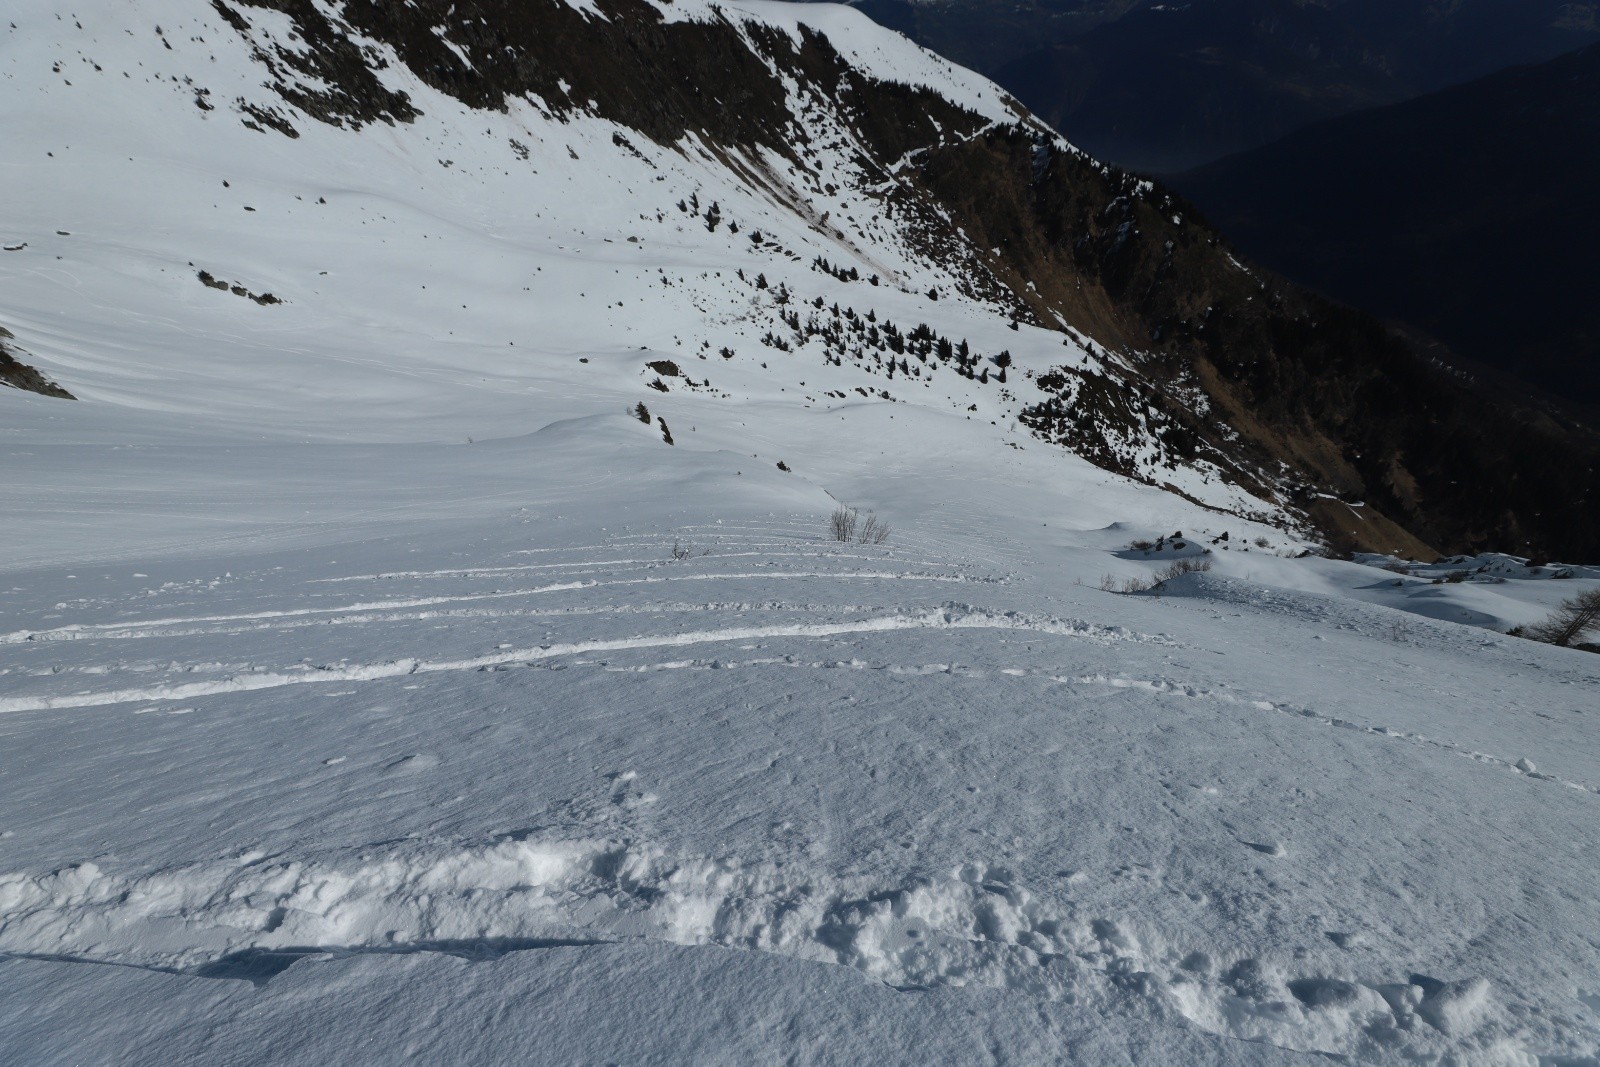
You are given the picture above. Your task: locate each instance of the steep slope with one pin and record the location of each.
(424, 638)
(1466, 213)
(1138, 339)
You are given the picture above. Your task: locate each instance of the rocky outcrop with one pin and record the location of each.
(18, 375)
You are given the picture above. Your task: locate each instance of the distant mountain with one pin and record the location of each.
(1165, 86)
(987, 34)
(1468, 213)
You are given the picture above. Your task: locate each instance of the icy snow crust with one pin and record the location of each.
(354, 705)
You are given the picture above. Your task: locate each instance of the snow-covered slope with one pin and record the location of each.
(457, 267)
(375, 681)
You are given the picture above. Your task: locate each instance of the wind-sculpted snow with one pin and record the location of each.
(254, 916)
(1108, 817)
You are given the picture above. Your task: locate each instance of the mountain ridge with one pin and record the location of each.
(1186, 367)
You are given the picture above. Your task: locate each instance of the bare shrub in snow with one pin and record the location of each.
(681, 550)
(1575, 617)
(1110, 583)
(846, 524)
(842, 524)
(1179, 567)
(874, 531)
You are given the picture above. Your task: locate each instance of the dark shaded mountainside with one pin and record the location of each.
(1163, 86)
(1468, 214)
(1293, 397)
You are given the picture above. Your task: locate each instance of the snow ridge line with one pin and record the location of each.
(950, 617)
(68, 633)
(364, 618)
(974, 925)
(582, 566)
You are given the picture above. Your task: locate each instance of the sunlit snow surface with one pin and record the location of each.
(353, 703)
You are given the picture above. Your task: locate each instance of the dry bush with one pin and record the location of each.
(846, 524)
(1574, 618)
(842, 524)
(874, 531)
(1110, 583)
(1179, 567)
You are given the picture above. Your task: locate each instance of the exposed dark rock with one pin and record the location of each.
(351, 94)
(213, 282)
(18, 375)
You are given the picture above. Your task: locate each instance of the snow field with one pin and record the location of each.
(854, 779)
(355, 703)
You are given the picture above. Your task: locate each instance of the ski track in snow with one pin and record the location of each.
(76, 631)
(358, 618)
(240, 677)
(954, 617)
(248, 677)
(609, 566)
